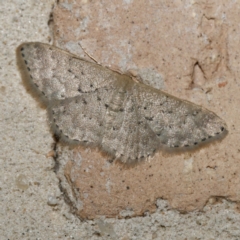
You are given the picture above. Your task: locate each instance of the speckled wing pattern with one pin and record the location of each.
(91, 105)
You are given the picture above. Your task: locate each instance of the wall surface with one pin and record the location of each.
(189, 50)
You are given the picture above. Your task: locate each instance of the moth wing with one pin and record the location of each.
(178, 124)
(80, 119)
(56, 74)
(128, 137)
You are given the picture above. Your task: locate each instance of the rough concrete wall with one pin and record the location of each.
(197, 60)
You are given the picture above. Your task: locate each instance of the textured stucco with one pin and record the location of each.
(32, 205)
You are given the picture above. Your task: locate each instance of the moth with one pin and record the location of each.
(91, 105)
